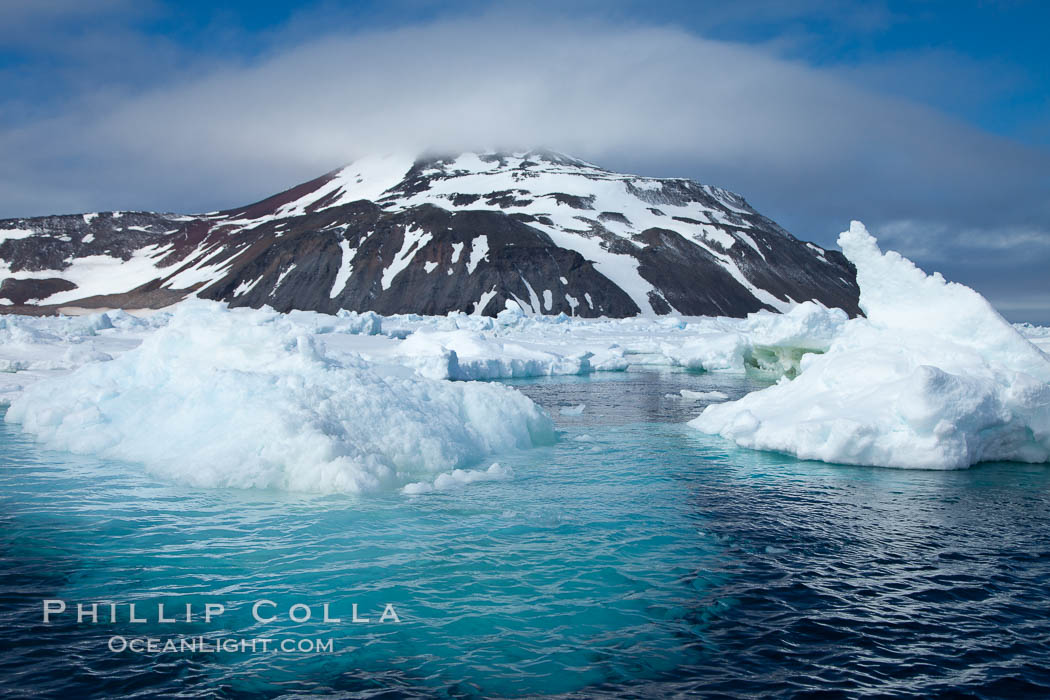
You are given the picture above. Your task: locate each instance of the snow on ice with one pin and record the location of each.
(246, 399)
(933, 378)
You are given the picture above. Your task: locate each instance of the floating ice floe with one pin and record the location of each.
(465, 355)
(933, 378)
(457, 346)
(688, 395)
(458, 478)
(767, 343)
(243, 398)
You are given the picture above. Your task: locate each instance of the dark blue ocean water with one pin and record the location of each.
(634, 558)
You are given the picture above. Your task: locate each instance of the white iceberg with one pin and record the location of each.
(242, 398)
(767, 343)
(35, 347)
(933, 378)
(466, 355)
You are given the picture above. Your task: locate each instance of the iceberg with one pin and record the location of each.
(469, 355)
(932, 378)
(765, 343)
(244, 398)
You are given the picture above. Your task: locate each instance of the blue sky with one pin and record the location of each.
(930, 121)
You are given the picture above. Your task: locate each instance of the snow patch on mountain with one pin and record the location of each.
(15, 234)
(346, 267)
(415, 239)
(479, 250)
(94, 274)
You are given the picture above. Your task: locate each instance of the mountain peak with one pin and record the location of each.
(437, 233)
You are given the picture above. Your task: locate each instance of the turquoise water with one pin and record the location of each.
(635, 557)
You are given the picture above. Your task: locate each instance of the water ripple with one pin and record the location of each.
(634, 558)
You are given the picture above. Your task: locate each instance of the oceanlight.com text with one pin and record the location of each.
(230, 645)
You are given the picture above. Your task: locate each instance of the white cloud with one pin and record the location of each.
(595, 90)
(938, 241)
(807, 145)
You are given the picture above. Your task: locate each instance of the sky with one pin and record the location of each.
(927, 120)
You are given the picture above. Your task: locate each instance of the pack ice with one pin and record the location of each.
(246, 398)
(933, 378)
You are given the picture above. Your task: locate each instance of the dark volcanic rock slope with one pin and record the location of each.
(429, 236)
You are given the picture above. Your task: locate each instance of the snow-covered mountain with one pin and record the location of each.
(433, 235)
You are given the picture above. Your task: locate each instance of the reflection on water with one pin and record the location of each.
(635, 557)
